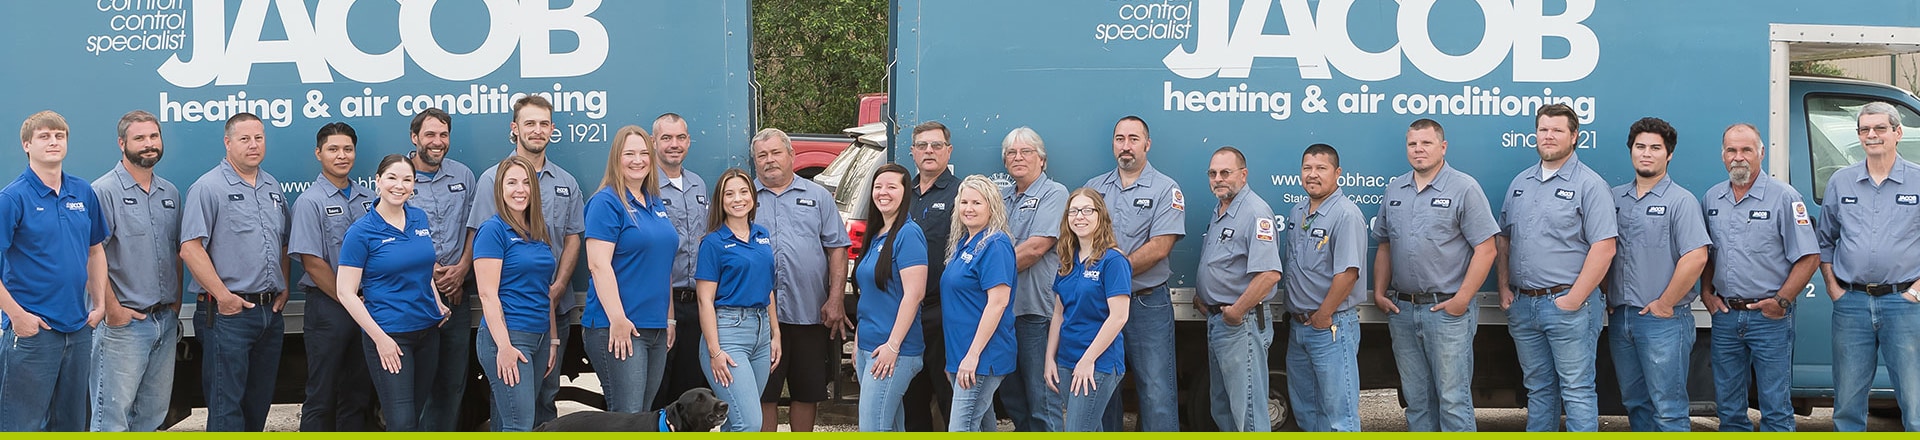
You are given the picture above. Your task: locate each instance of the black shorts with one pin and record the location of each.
(806, 357)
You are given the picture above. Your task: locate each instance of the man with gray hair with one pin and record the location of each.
(1870, 255)
(134, 361)
(810, 271)
(1035, 204)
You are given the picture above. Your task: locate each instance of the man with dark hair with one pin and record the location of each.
(1764, 251)
(1435, 233)
(562, 203)
(1327, 245)
(1869, 236)
(1662, 249)
(684, 195)
(339, 390)
(53, 285)
(1239, 267)
(1556, 243)
(934, 190)
(1149, 215)
(444, 188)
(234, 242)
(134, 358)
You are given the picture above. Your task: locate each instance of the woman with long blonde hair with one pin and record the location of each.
(976, 287)
(628, 322)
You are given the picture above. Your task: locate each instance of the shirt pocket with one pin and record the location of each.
(1437, 225)
(243, 217)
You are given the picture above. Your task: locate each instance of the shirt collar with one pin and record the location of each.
(1338, 195)
(1566, 171)
(1146, 179)
(1440, 178)
(120, 174)
(1233, 206)
(1659, 188)
(39, 188)
(1036, 185)
(330, 190)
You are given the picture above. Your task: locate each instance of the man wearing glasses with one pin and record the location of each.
(1869, 228)
(1035, 204)
(935, 190)
(1239, 267)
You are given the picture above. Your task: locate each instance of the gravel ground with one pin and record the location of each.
(1379, 411)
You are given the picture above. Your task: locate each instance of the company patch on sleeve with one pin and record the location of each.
(1179, 201)
(1800, 214)
(1263, 229)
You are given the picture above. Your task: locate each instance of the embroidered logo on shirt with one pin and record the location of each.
(275, 196)
(1143, 203)
(764, 241)
(563, 191)
(1800, 214)
(334, 211)
(1563, 194)
(168, 203)
(666, 202)
(422, 232)
(1091, 275)
(366, 205)
(1179, 200)
(660, 214)
(966, 257)
(236, 197)
(1907, 199)
(938, 207)
(1517, 193)
(1443, 203)
(1656, 210)
(1849, 200)
(803, 202)
(457, 187)
(1263, 229)
(130, 201)
(1318, 233)
(77, 206)
(1030, 204)
(1759, 215)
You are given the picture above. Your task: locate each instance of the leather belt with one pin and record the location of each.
(1424, 297)
(1876, 289)
(257, 298)
(1259, 313)
(1303, 318)
(685, 295)
(1544, 292)
(1742, 303)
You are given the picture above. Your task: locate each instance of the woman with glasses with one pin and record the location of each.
(1094, 286)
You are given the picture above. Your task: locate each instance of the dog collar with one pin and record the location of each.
(664, 426)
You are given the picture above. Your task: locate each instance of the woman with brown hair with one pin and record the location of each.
(512, 265)
(1094, 285)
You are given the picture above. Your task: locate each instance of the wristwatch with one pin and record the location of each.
(1783, 302)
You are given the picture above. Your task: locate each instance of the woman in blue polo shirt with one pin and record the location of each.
(630, 244)
(387, 256)
(976, 287)
(740, 335)
(889, 339)
(1094, 285)
(512, 266)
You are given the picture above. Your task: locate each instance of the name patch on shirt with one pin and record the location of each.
(1030, 204)
(1849, 200)
(1713, 212)
(1318, 233)
(1759, 215)
(1517, 193)
(1143, 203)
(77, 206)
(236, 197)
(805, 202)
(366, 205)
(1442, 203)
(334, 211)
(386, 240)
(563, 191)
(1263, 229)
(1800, 214)
(1907, 199)
(457, 187)
(422, 232)
(168, 203)
(1563, 194)
(130, 201)
(666, 202)
(1226, 233)
(700, 199)
(1393, 203)
(1656, 210)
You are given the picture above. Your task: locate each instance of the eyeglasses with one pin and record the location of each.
(1082, 212)
(1877, 129)
(1220, 173)
(1023, 152)
(930, 146)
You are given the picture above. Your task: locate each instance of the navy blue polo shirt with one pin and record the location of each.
(643, 246)
(397, 265)
(743, 269)
(526, 269)
(44, 238)
(880, 307)
(1083, 292)
(981, 262)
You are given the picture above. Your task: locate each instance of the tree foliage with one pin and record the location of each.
(813, 57)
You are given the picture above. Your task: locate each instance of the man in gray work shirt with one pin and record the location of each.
(1556, 243)
(1149, 215)
(233, 228)
(444, 188)
(684, 194)
(1326, 248)
(1034, 204)
(1239, 267)
(339, 391)
(562, 202)
(134, 357)
(1662, 249)
(1870, 252)
(1436, 243)
(810, 272)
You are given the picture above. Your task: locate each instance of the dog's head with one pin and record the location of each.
(697, 410)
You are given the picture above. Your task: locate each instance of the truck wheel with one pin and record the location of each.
(1279, 409)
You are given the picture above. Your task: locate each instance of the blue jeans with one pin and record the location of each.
(45, 378)
(629, 383)
(1150, 360)
(1651, 358)
(1751, 348)
(747, 337)
(402, 394)
(1237, 359)
(973, 407)
(339, 392)
(1556, 350)
(1866, 327)
(441, 411)
(133, 372)
(880, 408)
(239, 363)
(1323, 374)
(545, 409)
(1434, 352)
(1024, 394)
(1084, 411)
(513, 405)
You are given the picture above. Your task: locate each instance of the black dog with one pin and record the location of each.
(697, 410)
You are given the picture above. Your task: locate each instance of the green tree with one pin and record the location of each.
(813, 57)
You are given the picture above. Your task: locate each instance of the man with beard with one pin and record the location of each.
(684, 195)
(1326, 244)
(564, 206)
(1764, 252)
(1662, 249)
(1869, 232)
(1149, 215)
(134, 357)
(1239, 267)
(1556, 242)
(339, 391)
(444, 188)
